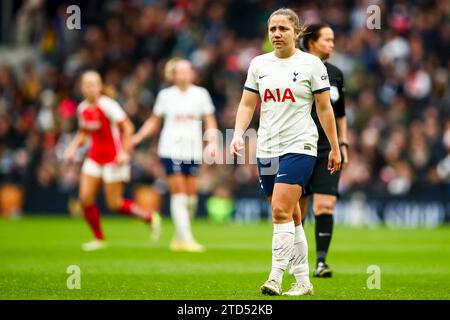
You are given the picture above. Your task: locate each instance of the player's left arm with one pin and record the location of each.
(341, 120)
(326, 117)
(211, 133)
(210, 123)
(127, 129)
(343, 140)
(117, 115)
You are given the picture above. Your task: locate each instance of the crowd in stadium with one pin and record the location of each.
(396, 79)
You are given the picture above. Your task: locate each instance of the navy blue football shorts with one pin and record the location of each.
(290, 168)
(184, 167)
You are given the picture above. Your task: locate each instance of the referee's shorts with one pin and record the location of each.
(321, 180)
(290, 168)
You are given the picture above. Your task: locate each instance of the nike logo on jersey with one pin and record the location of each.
(281, 175)
(260, 77)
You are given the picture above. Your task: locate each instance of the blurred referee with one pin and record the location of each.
(319, 41)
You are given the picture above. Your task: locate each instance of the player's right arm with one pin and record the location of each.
(243, 117)
(79, 140)
(149, 128)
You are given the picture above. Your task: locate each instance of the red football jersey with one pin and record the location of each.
(100, 121)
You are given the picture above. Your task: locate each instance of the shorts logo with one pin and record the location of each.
(281, 175)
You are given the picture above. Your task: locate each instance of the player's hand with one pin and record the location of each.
(211, 149)
(135, 140)
(123, 157)
(237, 144)
(334, 161)
(69, 155)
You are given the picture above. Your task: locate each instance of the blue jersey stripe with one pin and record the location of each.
(321, 90)
(251, 90)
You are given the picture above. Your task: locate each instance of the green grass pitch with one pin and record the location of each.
(36, 251)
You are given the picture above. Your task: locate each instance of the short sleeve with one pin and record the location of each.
(113, 110)
(207, 105)
(340, 104)
(158, 108)
(319, 77)
(250, 83)
(80, 118)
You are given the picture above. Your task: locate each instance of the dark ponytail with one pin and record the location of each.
(312, 32)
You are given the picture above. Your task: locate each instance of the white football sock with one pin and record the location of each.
(282, 244)
(180, 216)
(192, 205)
(299, 259)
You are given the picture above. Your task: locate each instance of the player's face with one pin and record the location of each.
(91, 86)
(183, 73)
(282, 33)
(325, 44)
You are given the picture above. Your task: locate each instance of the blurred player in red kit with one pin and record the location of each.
(103, 121)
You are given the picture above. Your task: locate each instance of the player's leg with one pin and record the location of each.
(299, 259)
(267, 170)
(180, 214)
(299, 254)
(178, 201)
(192, 186)
(182, 183)
(324, 188)
(323, 208)
(89, 187)
(284, 201)
(117, 203)
(304, 207)
(296, 169)
(90, 183)
(191, 176)
(114, 178)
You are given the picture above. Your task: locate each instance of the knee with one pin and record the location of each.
(86, 199)
(324, 206)
(280, 214)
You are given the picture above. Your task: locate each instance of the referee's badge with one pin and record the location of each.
(334, 94)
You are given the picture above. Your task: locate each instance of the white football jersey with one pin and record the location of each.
(181, 137)
(286, 87)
